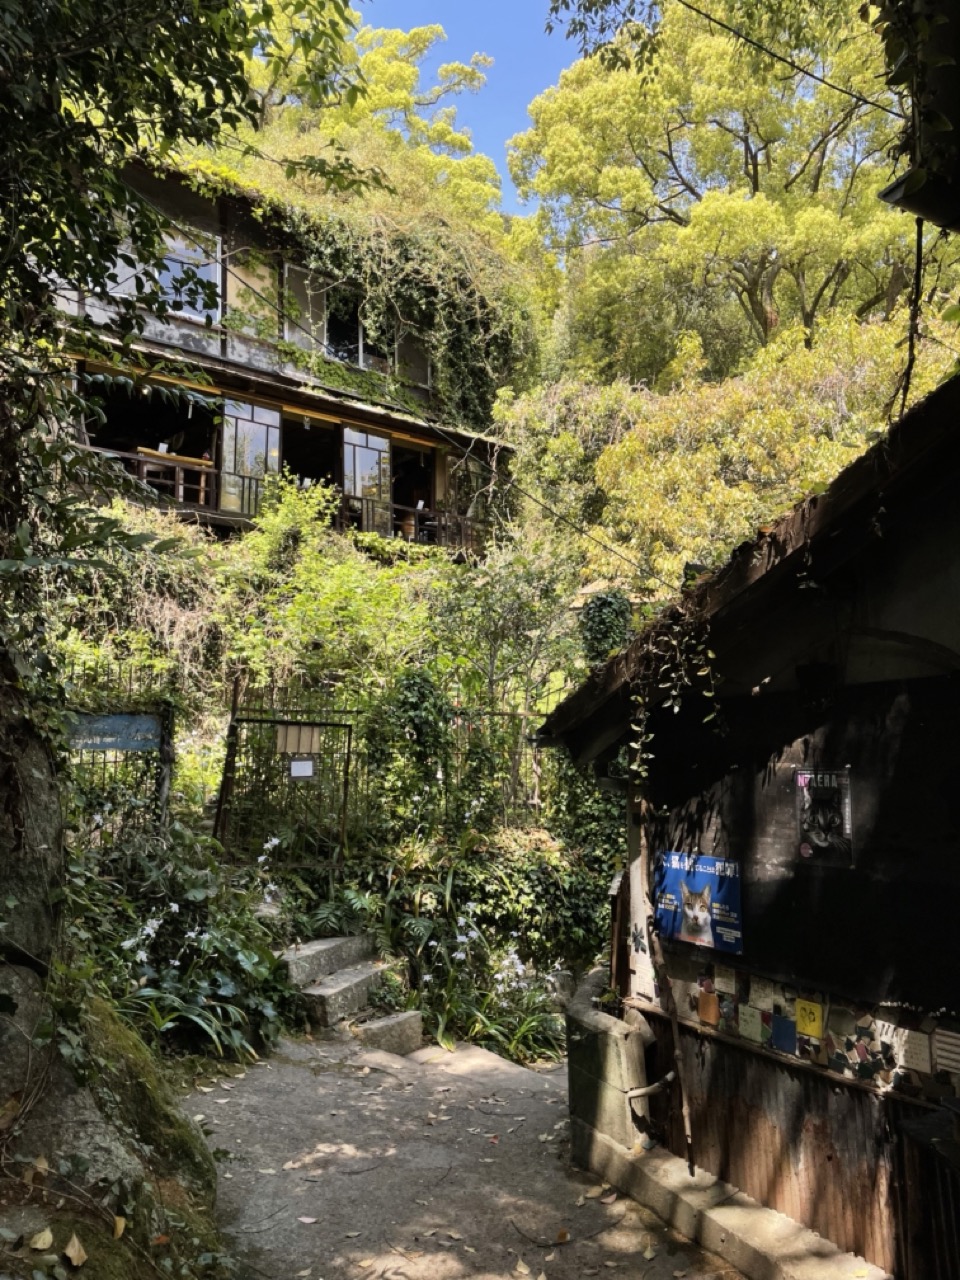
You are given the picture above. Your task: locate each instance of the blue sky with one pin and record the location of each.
(526, 61)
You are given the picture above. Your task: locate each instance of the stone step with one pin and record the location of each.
(399, 1033)
(339, 994)
(308, 962)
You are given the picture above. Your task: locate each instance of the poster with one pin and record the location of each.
(824, 816)
(698, 901)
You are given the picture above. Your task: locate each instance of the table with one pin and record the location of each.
(159, 461)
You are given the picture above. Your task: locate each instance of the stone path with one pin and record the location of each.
(345, 1164)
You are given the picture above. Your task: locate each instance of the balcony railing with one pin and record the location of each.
(412, 524)
(196, 485)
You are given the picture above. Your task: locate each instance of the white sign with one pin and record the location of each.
(301, 768)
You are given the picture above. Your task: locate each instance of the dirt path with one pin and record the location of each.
(352, 1165)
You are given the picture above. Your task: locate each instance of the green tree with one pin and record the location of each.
(84, 88)
(720, 179)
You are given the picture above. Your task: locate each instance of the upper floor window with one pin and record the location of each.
(190, 277)
(343, 326)
(304, 312)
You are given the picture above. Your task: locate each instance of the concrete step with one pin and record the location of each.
(308, 962)
(339, 994)
(398, 1033)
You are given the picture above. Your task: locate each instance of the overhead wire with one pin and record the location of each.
(544, 506)
(790, 62)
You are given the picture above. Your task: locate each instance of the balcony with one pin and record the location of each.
(196, 485)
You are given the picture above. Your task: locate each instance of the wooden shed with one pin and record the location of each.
(791, 920)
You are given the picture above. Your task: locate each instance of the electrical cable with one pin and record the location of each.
(557, 515)
(789, 62)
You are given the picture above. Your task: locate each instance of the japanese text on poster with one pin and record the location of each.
(698, 901)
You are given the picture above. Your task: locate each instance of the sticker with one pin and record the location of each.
(751, 1024)
(764, 994)
(948, 1049)
(724, 980)
(783, 1034)
(709, 1009)
(810, 1019)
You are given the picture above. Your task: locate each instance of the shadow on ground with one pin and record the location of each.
(340, 1164)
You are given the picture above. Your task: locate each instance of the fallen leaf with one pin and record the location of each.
(542, 1276)
(678, 1275)
(204, 1089)
(42, 1240)
(521, 1269)
(608, 1263)
(352, 1235)
(158, 1240)
(119, 1226)
(582, 1200)
(468, 1248)
(75, 1252)
(224, 1085)
(550, 1257)
(302, 1274)
(593, 1193)
(367, 1262)
(307, 1221)
(495, 1139)
(431, 1232)
(563, 1236)
(650, 1253)
(220, 1102)
(454, 1235)
(199, 1116)
(9, 1111)
(266, 1171)
(609, 1198)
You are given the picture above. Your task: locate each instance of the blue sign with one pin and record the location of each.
(117, 733)
(698, 901)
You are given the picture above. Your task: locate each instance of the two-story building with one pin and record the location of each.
(278, 374)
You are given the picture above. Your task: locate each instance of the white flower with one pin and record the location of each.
(128, 943)
(473, 934)
(174, 907)
(141, 957)
(427, 978)
(462, 937)
(459, 955)
(461, 922)
(174, 964)
(271, 842)
(192, 933)
(262, 859)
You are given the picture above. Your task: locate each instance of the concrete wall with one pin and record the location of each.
(606, 1058)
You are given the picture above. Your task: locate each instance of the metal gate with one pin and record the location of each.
(285, 788)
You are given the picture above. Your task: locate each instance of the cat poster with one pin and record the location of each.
(698, 901)
(824, 817)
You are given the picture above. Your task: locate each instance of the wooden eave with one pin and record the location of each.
(596, 716)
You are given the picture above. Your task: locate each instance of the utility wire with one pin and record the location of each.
(557, 515)
(789, 62)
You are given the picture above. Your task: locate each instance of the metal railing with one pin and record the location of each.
(412, 524)
(197, 487)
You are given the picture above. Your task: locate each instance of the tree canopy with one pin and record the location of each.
(722, 193)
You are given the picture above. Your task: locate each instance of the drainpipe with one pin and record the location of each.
(647, 1090)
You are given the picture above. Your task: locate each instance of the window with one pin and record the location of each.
(374, 354)
(303, 306)
(413, 363)
(251, 450)
(366, 465)
(343, 326)
(190, 278)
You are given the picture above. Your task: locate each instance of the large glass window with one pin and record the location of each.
(190, 277)
(343, 326)
(303, 321)
(366, 478)
(251, 451)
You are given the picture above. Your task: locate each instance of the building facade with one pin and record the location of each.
(785, 923)
(262, 367)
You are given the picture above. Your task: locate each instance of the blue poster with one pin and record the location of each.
(123, 732)
(698, 901)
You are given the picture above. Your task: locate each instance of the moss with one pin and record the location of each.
(138, 1089)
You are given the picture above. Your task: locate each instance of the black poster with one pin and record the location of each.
(824, 816)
